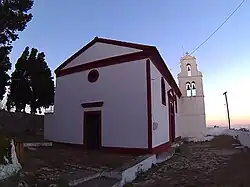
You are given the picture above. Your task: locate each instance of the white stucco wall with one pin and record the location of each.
(100, 51)
(160, 112)
(192, 126)
(122, 88)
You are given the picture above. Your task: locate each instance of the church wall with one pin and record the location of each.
(192, 106)
(122, 88)
(192, 126)
(160, 112)
(192, 116)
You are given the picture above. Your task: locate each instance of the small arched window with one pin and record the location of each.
(189, 69)
(163, 92)
(193, 87)
(188, 89)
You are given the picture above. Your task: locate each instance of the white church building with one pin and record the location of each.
(121, 97)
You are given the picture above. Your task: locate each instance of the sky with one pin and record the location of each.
(60, 28)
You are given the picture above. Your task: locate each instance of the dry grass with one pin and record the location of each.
(223, 142)
(236, 172)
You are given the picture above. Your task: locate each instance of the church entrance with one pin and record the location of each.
(171, 116)
(92, 130)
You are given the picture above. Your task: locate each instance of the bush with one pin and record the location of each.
(244, 129)
(5, 149)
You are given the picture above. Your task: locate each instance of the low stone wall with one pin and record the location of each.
(17, 123)
(243, 137)
(49, 127)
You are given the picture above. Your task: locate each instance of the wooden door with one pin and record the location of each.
(92, 130)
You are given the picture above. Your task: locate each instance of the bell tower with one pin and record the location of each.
(192, 105)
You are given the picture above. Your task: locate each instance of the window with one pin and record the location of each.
(163, 92)
(193, 89)
(93, 75)
(188, 88)
(189, 69)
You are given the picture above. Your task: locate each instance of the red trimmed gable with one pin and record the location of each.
(140, 47)
(144, 51)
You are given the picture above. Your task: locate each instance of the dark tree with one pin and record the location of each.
(31, 83)
(20, 93)
(42, 84)
(5, 65)
(14, 17)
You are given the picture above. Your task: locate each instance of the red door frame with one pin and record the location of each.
(171, 115)
(100, 127)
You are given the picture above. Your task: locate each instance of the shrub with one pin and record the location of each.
(5, 149)
(244, 129)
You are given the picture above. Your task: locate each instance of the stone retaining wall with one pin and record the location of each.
(16, 123)
(243, 137)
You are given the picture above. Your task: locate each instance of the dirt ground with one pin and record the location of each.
(60, 164)
(210, 164)
(61, 155)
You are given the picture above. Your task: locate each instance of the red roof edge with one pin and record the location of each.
(125, 44)
(168, 74)
(147, 48)
(103, 40)
(84, 48)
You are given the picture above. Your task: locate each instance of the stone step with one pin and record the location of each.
(80, 176)
(240, 147)
(99, 182)
(236, 144)
(38, 144)
(165, 156)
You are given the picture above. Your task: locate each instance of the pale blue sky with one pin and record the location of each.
(60, 28)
